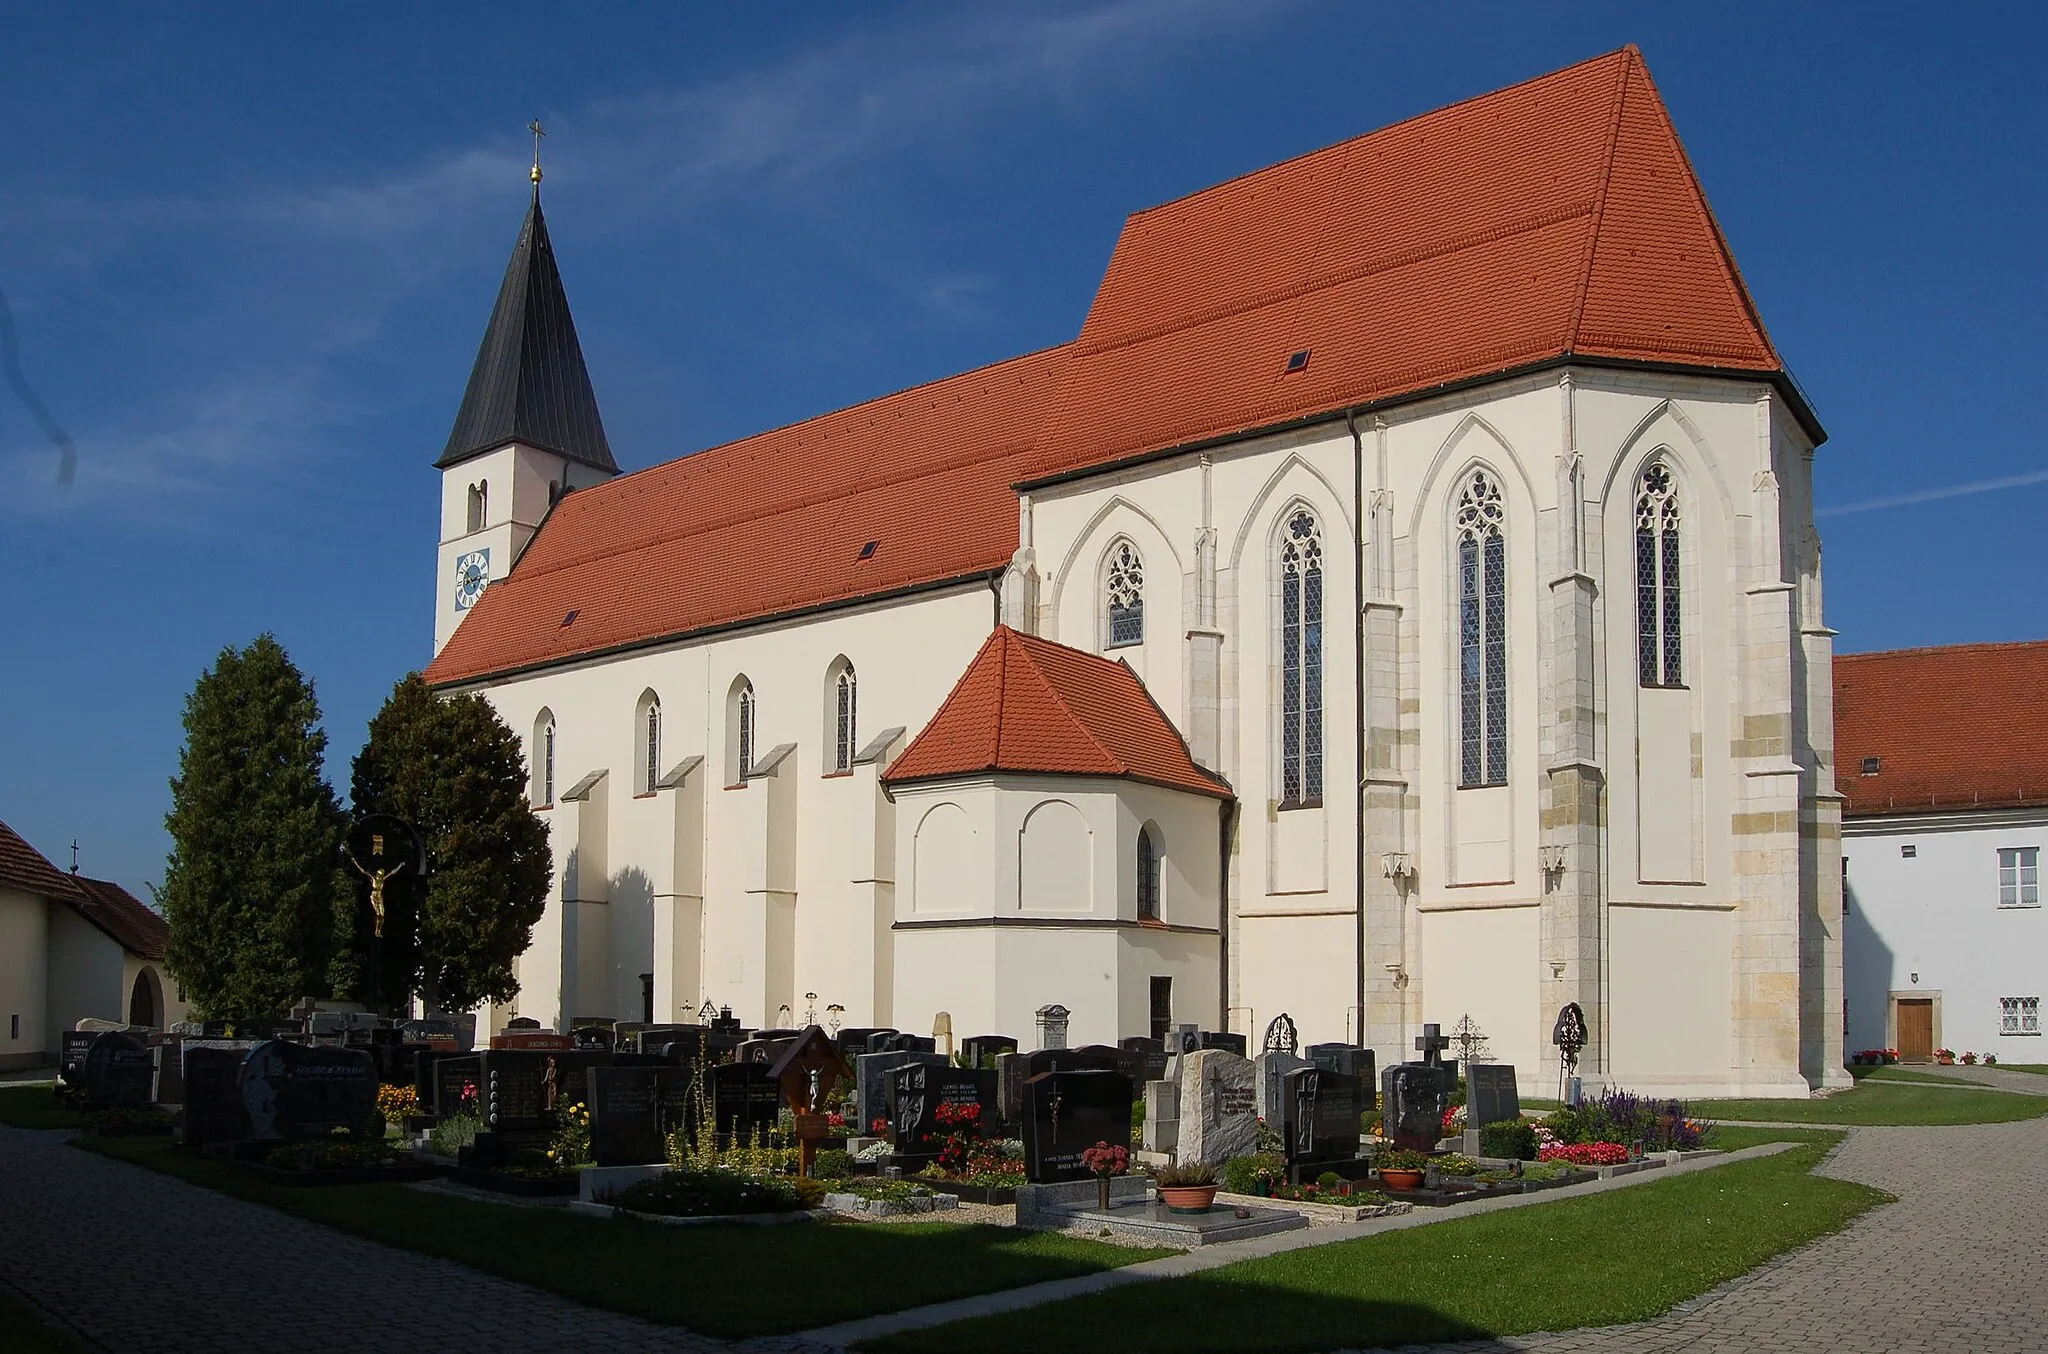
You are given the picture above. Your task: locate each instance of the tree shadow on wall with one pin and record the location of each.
(1867, 975)
(631, 934)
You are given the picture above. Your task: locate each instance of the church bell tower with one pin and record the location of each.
(527, 433)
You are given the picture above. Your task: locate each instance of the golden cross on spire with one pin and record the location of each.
(538, 132)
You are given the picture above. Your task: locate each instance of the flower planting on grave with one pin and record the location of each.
(570, 1146)
(395, 1102)
(333, 1154)
(144, 1119)
(454, 1133)
(1629, 1119)
(691, 1192)
(1107, 1159)
(1587, 1153)
(1258, 1173)
(1511, 1138)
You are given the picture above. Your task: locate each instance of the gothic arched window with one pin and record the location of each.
(845, 695)
(1301, 661)
(544, 759)
(479, 505)
(648, 726)
(1482, 633)
(1148, 873)
(1123, 590)
(740, 716)
(1660, 652)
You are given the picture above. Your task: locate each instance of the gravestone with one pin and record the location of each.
(118, 1072)
(1052, 1025)
(71, 1056)
(1162, 1116)
(809, 1069)
(745, 1101)
(1219, 1106)
(1321, 1116)
(435, 1032)
(656, 1038)
(1490, 1094)
(1416, 1095)
(916, 1092)
(1273, 1069)
(594, 1036)
(871, 1073)
(759, 1050)
(458, 1086)
(518, 1090)
(1065, 1114)
(1352, 1061)
(1143, 1064)
(522, 1023)
(1229, 1043)
(878, 1040)
(911, 1043)
(1014, 1069)
(167, 1083)
(980, 1047)
(1281, 1036)
(214, 1110)
(625, 1115)
(853, 1040)
(297, 1091)
(532, 1040)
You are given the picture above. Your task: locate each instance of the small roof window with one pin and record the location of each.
(570, 619)
(1872, 765)
(1297, 362)
(868, 551)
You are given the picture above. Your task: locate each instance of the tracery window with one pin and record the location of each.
(845, 713)
(1482, 632)
(1301, 661)
(1148, 874)
(650, 731)
(743, 732)
(1124, 595)
(1659, 648)
(544, 760)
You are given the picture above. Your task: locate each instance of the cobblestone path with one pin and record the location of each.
(132, 1259)
(1951, 1265)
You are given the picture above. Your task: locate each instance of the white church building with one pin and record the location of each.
(1399, 602)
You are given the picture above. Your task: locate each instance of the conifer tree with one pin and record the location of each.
(248, 889)
(450, 767)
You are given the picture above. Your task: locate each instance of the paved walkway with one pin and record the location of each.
(131, 1259)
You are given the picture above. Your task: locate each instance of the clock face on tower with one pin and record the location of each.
(472, 572)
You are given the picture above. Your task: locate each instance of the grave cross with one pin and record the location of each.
(1431, 1044)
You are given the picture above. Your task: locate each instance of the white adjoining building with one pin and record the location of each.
(72, 948)
(1945, 768)
(1439, 493)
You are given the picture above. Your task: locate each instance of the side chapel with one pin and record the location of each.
(1399, 602)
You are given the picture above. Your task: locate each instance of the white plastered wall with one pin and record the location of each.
(86, 970)
(24, 990)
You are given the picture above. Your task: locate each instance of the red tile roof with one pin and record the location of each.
(1952, 728)
(1553, 220)
(123, 916)
(23, 867)
(1026, 704)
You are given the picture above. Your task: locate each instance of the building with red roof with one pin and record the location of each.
(72, 948)
(1942, 759)
(1403, 584)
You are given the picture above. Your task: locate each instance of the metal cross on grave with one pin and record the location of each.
(1431, 1044)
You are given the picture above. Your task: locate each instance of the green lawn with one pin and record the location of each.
(1734, 1137)
(2038, 1069)
(728, 1281)
(1879, 1102)
(34, 1105)
(23, 1332)
(1588, 1261)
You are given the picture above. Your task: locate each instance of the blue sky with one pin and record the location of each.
(250, 252)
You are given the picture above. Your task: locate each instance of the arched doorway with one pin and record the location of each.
(146, 1002)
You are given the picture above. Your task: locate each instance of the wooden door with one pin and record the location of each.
(1916, 1029)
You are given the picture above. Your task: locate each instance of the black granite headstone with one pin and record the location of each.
(1230, 1043)
(457, 1086)
(296, 1091)
(167, 1085)
(1321, 1119)
(71, 1056)
(625, 1115)
(985, 1047)
(214, 1110)
(1142, 1060)
(1415, 1096)
(1066, 1113)
(745, 1100)
(917, 1090)
(118, 1072)
(1016, 1069)
(1351, 1060)
(1490, 1094)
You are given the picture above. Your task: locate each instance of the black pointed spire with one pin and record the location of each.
(529, 384)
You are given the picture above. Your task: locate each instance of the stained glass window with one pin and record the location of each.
(1301, 662)
(547, 763)
(745, 713)
(1124, 592)
(1659, 645)
(1482, 633)
(653, 748)
(843, 721)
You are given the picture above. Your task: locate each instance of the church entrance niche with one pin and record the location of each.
(145, 1002)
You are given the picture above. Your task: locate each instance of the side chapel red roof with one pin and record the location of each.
(23, 867)
(1558, 218)
(1026, 704)
(1958, 727)
(108, 906)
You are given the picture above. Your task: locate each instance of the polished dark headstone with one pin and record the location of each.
(297, 1091)
(1065, 1114)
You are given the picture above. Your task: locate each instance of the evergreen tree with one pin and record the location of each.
(451, 768)
(248, 890)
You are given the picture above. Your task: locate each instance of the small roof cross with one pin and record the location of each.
(538, 132)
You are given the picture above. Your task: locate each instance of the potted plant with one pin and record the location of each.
(1105, 1161)
(1945, 1056)
(1969, 1060)
(1402, 1169)
(1186, 1189)
(1991, 1060)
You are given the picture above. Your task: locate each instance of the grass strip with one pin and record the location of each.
(728, 1281)
(1882, 1103)
(34, 1105)
(24, 1332)
(1594, 1260)
(1735, 1137)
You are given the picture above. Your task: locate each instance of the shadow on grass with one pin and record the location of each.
(34, 1105)
(730, 1281)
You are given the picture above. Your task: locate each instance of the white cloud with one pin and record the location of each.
(1935, 494)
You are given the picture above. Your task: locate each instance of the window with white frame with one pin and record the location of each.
(1123, 594)
(1482, 633)
(845, 716)
(2019, 876)
(1659, 648)
(1301, 661)
(2019, 1015)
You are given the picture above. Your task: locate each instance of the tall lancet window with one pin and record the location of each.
(650, 743)
(743, 732)
(1659, 649)
(1482, 633)
(1301, 661)
(1124, 593)
(479, 505)
(543, 793)
(845, 715)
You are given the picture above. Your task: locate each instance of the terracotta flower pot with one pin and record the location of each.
(1401, 1179)
(1188, 1198)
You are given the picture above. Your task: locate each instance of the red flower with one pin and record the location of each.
(879, 1128)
